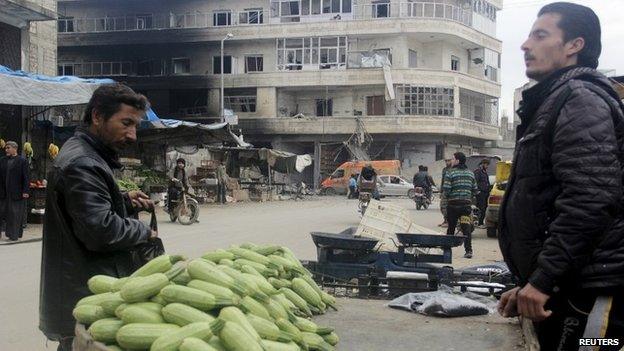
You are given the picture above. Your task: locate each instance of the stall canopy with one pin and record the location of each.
(280, 161)
(23, 88)
(173, 132)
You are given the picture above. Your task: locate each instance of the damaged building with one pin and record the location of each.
(421, 79)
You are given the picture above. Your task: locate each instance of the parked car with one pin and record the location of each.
(503, 169)
(394, 185)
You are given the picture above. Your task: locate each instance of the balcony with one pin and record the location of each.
(432, 125)
(356, 77)
(412, 17)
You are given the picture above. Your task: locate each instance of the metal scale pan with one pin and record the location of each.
(429, 240)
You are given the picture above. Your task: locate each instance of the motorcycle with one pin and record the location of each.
(364, 198)
(183, 207)
(420, 198)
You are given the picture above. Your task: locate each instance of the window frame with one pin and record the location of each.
(256, 57)
(217, 68)
(173, 65)
(215, 18)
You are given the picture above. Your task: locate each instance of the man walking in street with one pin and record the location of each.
(562, 221)
(459, 189)
(352, 193)
(88, 228)
(483, 184)
(443, 201)
(222, 178)
(14, 190)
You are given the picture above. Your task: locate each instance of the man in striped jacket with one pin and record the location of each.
(459, 188)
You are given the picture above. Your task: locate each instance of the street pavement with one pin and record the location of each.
(282, 222)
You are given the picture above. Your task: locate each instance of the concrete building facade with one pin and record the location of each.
(28, 39)
(422, 78)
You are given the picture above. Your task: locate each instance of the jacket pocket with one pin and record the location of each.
(528, 155)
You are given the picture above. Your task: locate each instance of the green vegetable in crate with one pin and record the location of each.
(226, 262)
(214, 289)
(261, 282)
(140, 336)
(182, 279)
(95, 299)
(160, 264)
(113, 348)
(316, 342)
(279, 283)
(216, 343)
(110, 305)
(234, 338)
(306, 325)
(151, 306)
(195, 344)
(87, 314)
(266, 250)
(175, 271)
(250, 286)
(268, 330)
(99, 284)
(201, 270)
(276, 310)
(262, 269)
(105, 330)
(195, 298)
(138, 314)
(218, 255)
(250, 305)
(172, 340)
(291, 329)
(279, 346)
(142, 289)
(286, 303)
(249, 270)
(250, 255)
(303, 289)
(234, 315)
(296, 300)
(331, 338)
(287, 253)
(182, 315)
(159, 300)
(119, 283)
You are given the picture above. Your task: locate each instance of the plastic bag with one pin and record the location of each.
(441, 303)
(148, 251)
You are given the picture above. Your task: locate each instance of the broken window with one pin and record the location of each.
(251, 16)
(222, 18)
(227, 65)
(253, 63)
(240, 100)
(181, 65)
(381, 9)
(324, 107)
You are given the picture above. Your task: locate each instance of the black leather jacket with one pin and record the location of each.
(87, 230)
(562, 223)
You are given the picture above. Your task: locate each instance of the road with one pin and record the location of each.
(286, 223)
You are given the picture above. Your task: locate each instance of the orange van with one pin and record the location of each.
(338, 182)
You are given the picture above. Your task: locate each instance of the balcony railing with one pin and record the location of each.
(261, 17)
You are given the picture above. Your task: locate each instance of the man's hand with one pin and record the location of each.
(531, 303)
(25, 195)
(140, 200)
(508, 304)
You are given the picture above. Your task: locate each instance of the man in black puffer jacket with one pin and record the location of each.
(562, 224)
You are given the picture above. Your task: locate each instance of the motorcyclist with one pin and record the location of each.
(367, 181)
(422, 179)
(179, 173)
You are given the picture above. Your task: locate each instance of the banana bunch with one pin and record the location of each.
(2, 144)
(53, 150)
(28, 150)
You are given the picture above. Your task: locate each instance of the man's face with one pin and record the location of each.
(120, 130)
(180, 165)
(449, 163)
(10, 150)
(454, 162)
(485, 166)
(545, 51)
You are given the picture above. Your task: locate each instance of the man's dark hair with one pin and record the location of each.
(459, 156)
(181, 160)
(107, 99)
(579, 21)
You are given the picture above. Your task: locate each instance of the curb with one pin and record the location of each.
(20, 241)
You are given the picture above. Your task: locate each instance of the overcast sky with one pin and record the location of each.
(515, 21)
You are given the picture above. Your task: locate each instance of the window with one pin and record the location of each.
(381, 9)
(491, 73)
(331, 6)
(324, 107)
(346, 6)
(66, 69)
(429, 101)
(326, 52)
(251, 16)
(316, 7)
(66, 25)
(144, 21)
(222, 18)
(413, 59)
(454, 63)
(253, 63)
(241, 100)
(339, 173)
(227, 64)
(289, 8)
(181, 65)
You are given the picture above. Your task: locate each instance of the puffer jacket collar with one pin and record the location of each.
(109, 155)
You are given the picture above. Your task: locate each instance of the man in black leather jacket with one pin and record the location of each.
(562, 224)
(88, 228)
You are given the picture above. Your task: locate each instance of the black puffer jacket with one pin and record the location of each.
(562, 224)
(87, 230)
